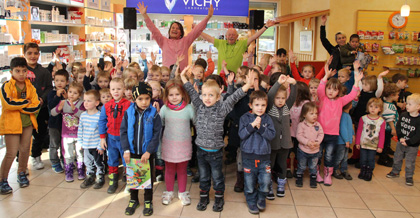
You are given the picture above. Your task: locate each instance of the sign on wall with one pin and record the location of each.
(106, 5)
(93, 4)
(200, 7)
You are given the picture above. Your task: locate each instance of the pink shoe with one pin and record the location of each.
(328, 171)
(319, 178)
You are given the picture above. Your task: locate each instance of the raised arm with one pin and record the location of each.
(323, 35)
(380, 83)
(207, 37)
(157, 35)
(197, 30)
(269, 24)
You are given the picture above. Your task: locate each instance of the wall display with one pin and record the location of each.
(93, 4)
(199, 7)
(34, 13)
(106, 5)
(305, 41)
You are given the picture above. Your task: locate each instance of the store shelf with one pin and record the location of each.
(55, 23)
(58, 44)
(10, 44)
(9, 19)
(98, 10)
(91, 25)
(75, 60)
(49, 2)
(105, 41)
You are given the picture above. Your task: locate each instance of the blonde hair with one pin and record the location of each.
(104, 91)
(371, 81)
(157, 84)
(129, 70)
(135, 65)
(211, 84)
(117, 80)
(103, 74)
(77, 86)
(156, 68)
(346, 71)
(165, 69)
(375, 101)
(75, 67)
(314, 81)
(129, 83)
(414, 97)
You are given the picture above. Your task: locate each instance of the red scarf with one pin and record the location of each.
(177, 107)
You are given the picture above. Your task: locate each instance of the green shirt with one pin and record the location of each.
(232, 54)
(26, 119)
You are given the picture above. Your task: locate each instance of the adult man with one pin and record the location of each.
(231, 49)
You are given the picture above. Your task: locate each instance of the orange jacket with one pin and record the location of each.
(13, 106)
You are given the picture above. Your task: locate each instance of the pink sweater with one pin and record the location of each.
(307, 132)
(294, 117)
(172, 48)
(330, 110)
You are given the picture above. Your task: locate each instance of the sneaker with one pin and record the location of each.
(253, 209)
(88, 182)
(167, 197)
(280, 187)
(218, 203)
(100, 182)
(337, 174)
(409, 181)
(132, 206)
(346, 175)
(148, 208)
(22, 180)
(270, 195)
(5, 188)
(299, 180)
(185, 198)
(261, 205)
(57, 168)
(392, 175)
(37, 163)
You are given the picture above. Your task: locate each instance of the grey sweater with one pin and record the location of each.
(209, 120)
(281, 118)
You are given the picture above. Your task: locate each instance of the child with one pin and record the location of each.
(88, 137)
(176, 115)
(370, 137)
(131, 73)
(408, 145)
(155, 74)
(329, 117)
(313, 87)
(307, 71)
(344, 78)
(61, 80)
(310, 135)
(344, 140)
(105, 94)
(157, 101)
(211, 113)
(71, 110)
(19, 104)
(165, 74)
(79, 75)
(390, 114)
(129, 83)
(278, 110)
(348, 52)
(282, 58)
(256, 130)
(198, 75)
(42, 81)
(302, 98)
(401, 81)
(102, 81)
(140, 133)
(265, 82)
(109, 129)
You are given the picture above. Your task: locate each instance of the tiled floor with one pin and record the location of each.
(50, 196)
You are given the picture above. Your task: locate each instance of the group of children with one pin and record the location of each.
(105, 113)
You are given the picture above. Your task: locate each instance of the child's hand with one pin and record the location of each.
(282, 79)
(379, 150)
(383, 74)
(208, 55)
(256, 123)
(94, 63)
(179, 59)
(89, 69)
(103, 144)
(145, 157)
(358, 147)
(245, 56)
(402, 141)
(323, 20)
(327, 68)
(118, 65)
(61, 105)
(143, 56)
(292, 56)
(347, 144)
(73, 107)
(108, 67)
(357, 77)
(127, 157)
(61, 92)
(153, 56)
(149, 65)
(290, 80)
(100, 151)
(156, 105)
(231, 77)
(356, 65)
(58, 65)
(401, 105)
(125, 64)
(196, 88)
(184, 74)
(224, 64)
(273, 60)
(393, 132)
(71, 58)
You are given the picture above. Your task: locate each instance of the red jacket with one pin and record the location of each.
(107, 122)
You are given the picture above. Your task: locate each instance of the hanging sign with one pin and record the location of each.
(199, 7)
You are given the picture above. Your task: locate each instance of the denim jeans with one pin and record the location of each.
(340, 157)
(256, 171)
(210, 165)
(367, 157)
(114, 151)
(410, 155)
(328, 144)
(305, 159)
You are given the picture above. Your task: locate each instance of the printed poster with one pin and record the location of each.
(106, 5)
(138, 175)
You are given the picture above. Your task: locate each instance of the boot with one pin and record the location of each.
(337, 174)
(204, 201)
(239, 185)
(81, 171)
(100, 181)
(113, 183)
(280, 187)
(312, 182)
(362, 173)
(219, 201)
(327, 175)
(69, 172)
(368, 175)
(319, 178)
(89, 181)
(299, 180)
(270, 195)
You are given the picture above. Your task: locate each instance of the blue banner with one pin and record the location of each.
(199, 7)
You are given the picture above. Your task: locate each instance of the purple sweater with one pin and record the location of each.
(70, 122)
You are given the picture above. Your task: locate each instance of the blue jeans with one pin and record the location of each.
(305, 159)
(340, 158)
(367, 157)
(210, 165)
(329, 143)
(256, 171)
(114, 151)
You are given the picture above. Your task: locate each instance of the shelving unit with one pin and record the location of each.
(56, 24)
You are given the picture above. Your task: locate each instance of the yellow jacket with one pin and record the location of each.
(13, 106)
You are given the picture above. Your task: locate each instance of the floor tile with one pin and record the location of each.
(390, 214)
(70, 185)
(13, 209)
(174, 209)
(48, 179)
(44, 211)
(315, 212)
(410, 203)
(292, 184)
(339, 185)
(30, 194)
(310, 198)
(191, 211)
(374, 187)
(350, 213)
(415, 215)
(14, 186)
(345, 200)
(231, 195)
(61, 196)
(91, 199)
(112, 213)
(234, 209)
(80, 212)
(381, 202)
(287, 199)
(400, 188)
(287, 211)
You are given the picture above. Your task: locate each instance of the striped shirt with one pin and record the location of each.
(88, 133)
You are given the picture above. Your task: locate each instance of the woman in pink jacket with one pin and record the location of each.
(176, 44)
